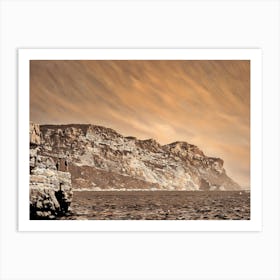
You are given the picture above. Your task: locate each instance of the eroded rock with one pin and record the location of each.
(50, 187)
(100, 158)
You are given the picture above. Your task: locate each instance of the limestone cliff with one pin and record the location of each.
(99, 158)
(50, 187)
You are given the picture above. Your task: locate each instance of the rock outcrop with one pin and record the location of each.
(50, 186)
(34, 134)
(99, 158)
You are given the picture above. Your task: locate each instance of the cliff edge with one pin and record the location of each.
(99, 158)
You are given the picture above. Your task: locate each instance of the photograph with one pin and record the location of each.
(139, 139)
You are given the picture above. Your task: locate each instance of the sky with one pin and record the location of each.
(202, 102)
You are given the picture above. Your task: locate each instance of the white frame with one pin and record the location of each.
(254, 55)
(140, 24)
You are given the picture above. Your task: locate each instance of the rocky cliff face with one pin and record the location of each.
(99, 158)
(50, 187)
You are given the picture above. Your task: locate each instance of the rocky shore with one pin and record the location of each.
(50, 186)
(67, 158)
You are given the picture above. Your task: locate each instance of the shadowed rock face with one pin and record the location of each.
(50, 185)
(99, 158)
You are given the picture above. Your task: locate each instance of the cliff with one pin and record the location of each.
(50, 188)
(99, 158)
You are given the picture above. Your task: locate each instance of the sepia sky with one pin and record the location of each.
(206, 103)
